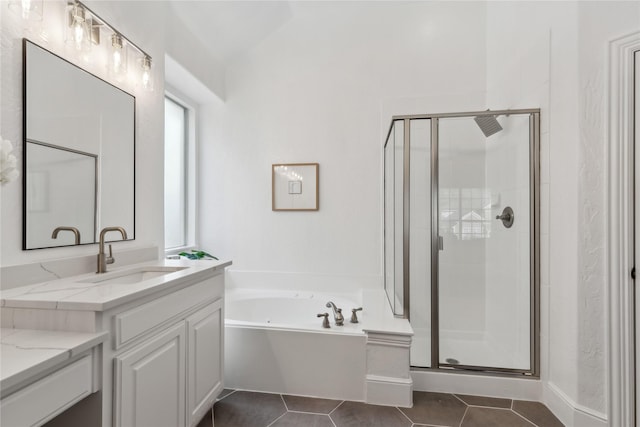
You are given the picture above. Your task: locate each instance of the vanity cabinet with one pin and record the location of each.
(205, 331)
(171, 374)
(162, 363)
(149, 382)
(52, 368)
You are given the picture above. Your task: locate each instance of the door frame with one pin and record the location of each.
(620, 253)
(636, 227)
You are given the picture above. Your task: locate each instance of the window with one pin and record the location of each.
(179, 174)
(465, 213)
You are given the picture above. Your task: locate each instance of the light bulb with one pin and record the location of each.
(117, 60)
(147, 82)
(145, 78)
(118, 55)
(78, 34)
(78, 28)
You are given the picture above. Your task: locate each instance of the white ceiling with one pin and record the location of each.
(230, 28)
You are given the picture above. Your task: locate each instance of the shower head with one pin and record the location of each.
(488, 125)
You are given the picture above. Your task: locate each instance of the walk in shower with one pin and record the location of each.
(461, 233)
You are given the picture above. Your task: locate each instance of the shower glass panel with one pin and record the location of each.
(461, 230)
(420, 240)
(393, 217)
(484, 264)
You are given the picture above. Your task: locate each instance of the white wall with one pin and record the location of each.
(188, 51)
(599, 23)
(314, 91)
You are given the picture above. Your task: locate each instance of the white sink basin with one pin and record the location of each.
(136, 275)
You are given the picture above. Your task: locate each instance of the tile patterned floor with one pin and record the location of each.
(252, 409)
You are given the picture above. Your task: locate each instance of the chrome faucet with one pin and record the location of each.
(103, 259)
(74, 230)
(337, 313)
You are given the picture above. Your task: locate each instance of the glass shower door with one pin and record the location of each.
(484, 262)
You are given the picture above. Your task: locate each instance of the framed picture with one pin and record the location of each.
(294, 187)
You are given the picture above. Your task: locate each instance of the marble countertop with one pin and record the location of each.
(25, 353)
(83, 293)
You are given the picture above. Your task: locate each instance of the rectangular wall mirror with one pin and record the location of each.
(79, 157)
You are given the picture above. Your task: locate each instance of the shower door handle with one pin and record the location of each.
(440, 243)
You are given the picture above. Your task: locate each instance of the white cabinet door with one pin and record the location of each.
(204, 377)
(150, 382)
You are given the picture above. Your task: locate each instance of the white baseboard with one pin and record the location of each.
(481, 385)
(389, 391)
(570, 413)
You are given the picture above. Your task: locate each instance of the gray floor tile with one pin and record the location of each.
(248, 409)
(435, 408)
(537, 413)
(296, 419)
(356, 414)
(252, 409)
(206, 421)
(491, 402)
(493, 417)
(224, 393)
(310, 404)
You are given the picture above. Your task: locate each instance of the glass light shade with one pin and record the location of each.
(146, 76)
(30, 10)
(118, 56)
(78, 27)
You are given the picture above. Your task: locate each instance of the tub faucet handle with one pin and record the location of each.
(354, 317)
(325, 321)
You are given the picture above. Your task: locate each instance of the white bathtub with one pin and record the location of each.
(291, 310)
(274, 342)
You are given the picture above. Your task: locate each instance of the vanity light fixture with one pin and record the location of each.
(84, 28)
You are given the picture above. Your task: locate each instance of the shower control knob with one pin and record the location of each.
(506, 217)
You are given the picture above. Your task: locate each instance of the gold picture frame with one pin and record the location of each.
(295, 186)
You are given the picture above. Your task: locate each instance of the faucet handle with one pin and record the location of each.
(325, 322)
(354, 317)
(110, 259)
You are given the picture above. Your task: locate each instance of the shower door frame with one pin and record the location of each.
(534, 233)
